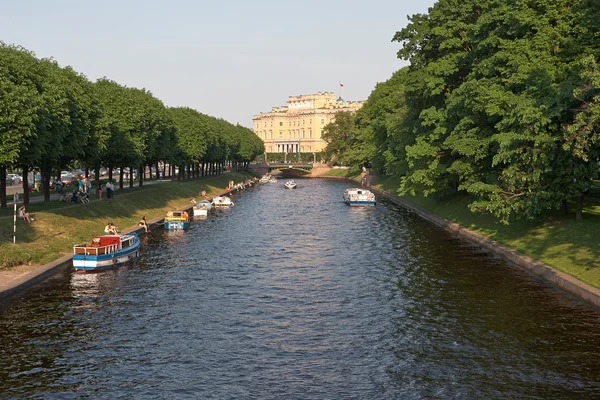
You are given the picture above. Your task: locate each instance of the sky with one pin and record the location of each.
(230, 59)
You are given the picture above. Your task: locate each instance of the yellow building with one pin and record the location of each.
(298, 127)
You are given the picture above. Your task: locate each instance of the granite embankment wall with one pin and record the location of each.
(554, 277)
(560, 280)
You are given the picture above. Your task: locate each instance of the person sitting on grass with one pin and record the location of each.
(111, 229)
(23, 214)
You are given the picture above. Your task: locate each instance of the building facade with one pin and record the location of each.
(298, 127)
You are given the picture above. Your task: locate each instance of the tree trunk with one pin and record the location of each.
(46, 172)
(3, 186)
(579, 212)
(25, 187)
(121, 178)
(142, 168)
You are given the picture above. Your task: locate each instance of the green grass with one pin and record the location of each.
(58, 226)
(555, 239)
(342, 172)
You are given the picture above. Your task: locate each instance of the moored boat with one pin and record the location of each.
(359, 197)
(222, 201)
(177, 220)
(105, 252)
(291, 184)
(265, 178)
(201, 208)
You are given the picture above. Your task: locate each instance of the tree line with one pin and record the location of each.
(52, 117)
(500, 101)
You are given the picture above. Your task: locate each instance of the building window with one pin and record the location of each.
(271, 123)
(310, 133)
(322, 121)
(281, 123)
(280, 135)
(303, 122)
(303, 134)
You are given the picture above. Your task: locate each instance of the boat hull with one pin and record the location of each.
(173, 225)
(358, 197)
(90, 262)
(361, 203)
(200, 212)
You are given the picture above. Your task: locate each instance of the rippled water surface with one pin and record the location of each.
(292, 294)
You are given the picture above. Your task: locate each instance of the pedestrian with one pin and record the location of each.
(144, 224)
(109, 190)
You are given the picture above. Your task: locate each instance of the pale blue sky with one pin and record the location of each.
(229, 59)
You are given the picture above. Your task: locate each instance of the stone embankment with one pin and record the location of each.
(15, 284)
(550, 275)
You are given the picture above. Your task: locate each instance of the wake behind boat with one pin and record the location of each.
(105, 252)
(359, 197)
(291, 184)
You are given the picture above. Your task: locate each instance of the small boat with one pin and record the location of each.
(222, 201)
(359, 197)
(105, 252)
(177, 220)
(291, 184)
(201, 208)
(265, 178)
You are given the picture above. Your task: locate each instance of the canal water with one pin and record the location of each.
(292, 294)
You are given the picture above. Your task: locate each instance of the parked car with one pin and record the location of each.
(66, 179)
(13, 179)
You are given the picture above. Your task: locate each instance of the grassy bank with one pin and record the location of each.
(555, 239)
(58, 226)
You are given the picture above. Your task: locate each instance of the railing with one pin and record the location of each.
(86, 250)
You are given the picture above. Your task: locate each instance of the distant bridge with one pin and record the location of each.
(282, 166)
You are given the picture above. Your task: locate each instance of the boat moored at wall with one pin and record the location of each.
(105, 252)
(201, 208)
(222, 201)
(177, 220)
(359, 197)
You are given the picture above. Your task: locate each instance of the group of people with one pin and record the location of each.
(112, 229)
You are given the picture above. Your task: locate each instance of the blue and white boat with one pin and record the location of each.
(201, 208)
(105, 252)
(177, 220)
(359, 197)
